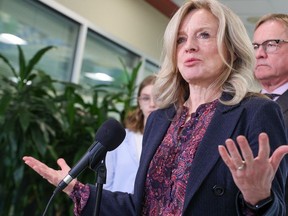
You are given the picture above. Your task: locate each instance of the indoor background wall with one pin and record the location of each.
(134, 22)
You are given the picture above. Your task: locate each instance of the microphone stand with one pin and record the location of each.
(100, 170)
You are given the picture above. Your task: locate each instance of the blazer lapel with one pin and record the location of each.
(160, 124)
(220, 128)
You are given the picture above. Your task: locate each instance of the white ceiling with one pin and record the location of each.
(250, 10)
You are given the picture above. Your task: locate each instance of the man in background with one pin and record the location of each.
(271, 51)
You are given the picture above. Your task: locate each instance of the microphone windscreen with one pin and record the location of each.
(111, 134)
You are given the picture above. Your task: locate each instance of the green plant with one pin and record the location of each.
(129, 89)
(123, 95)
(38, 119)
(26, 116)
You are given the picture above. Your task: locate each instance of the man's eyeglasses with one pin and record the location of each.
(269, 46)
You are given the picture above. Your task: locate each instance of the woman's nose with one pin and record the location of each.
(191, 45)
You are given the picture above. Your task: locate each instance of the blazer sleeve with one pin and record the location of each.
(267, 117)
(112, 203)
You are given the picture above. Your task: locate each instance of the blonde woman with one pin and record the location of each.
(190, 164)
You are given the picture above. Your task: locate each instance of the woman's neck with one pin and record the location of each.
(200, 96)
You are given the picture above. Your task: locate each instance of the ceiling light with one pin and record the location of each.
(11, 39)
(99, 76)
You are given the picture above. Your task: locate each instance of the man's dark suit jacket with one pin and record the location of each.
(283, 102)
(210, 188)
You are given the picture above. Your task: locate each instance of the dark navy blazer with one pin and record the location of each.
(210, 189)
(283, 102)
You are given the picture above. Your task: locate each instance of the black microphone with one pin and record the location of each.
(108, 137)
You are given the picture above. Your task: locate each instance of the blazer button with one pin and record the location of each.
(218, 190)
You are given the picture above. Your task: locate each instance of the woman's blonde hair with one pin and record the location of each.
(237, 77)
(134, 120)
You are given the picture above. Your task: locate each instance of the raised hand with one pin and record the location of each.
(253, 176)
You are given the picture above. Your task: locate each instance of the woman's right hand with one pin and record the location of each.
(51, 175)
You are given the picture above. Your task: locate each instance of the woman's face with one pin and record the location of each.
(146, 102)
(198, 59)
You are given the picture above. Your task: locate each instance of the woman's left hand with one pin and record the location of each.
(253, 176)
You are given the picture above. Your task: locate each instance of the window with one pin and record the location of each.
(38, 26)
(94, 60)
(102, 61)
(150, 68)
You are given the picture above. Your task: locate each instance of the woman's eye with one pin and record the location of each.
(181, 40)
(203, 35)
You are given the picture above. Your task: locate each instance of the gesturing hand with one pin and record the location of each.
(253, 176)
(51, 175)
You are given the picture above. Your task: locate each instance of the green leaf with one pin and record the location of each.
(71, 111)
(18, 174)
(125, 71)
(36, 58)
(24, 118)
(22, 64)
(47, 130)
(13, 144)
(39, 141)
(9, 64)
(4, 102)
(53, 152)
(134, 75)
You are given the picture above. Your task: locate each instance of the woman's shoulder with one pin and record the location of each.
(165, 113)
(256, 103)
(257, 100)
(170, 109)
(252, 103)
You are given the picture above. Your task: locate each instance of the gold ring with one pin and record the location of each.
(242, 166)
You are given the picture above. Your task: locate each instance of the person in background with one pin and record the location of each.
(123, 162)
(270, 43)
(205, 149)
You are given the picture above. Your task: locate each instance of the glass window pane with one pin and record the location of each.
(101, 61)
(39, 26)
(150, 68)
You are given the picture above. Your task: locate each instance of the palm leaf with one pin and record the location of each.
(9, 64)
(22, 64)
(35, 59)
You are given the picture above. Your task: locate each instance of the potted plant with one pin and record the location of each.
(40, 120)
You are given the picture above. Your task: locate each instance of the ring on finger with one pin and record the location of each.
(242, 166)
